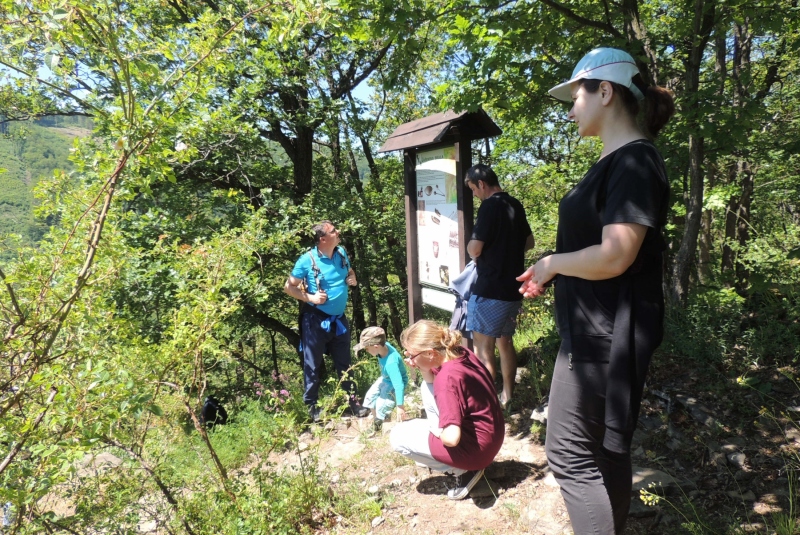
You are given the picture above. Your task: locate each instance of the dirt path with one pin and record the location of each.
(516, 496)
(716, 473)
(726, 460)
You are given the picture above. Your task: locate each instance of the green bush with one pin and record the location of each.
(708, 328)
(721, 326)
(260, 498)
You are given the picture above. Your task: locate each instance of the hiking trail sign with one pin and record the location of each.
(437, 150)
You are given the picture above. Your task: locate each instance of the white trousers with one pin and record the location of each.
(410, 438)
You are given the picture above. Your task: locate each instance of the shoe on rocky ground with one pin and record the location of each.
(377, 425)
(463, 484)
(355, 409)
(314, 413)
(503, 401)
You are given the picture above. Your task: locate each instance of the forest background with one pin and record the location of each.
(152, 273)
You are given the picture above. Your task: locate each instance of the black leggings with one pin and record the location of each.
(595, 483)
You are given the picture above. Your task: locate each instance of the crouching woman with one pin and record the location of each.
(464, 427)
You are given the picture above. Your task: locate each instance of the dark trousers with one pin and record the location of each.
(595, 483)
(316, 342)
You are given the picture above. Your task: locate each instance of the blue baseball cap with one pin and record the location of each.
(610, 64)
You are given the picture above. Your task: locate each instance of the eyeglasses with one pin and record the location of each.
(412, 357)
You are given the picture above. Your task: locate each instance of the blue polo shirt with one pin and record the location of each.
(332, 274)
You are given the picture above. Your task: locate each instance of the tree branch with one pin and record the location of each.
(13, 296)
(272, 324)
(275, 134)
(20, 442)
(54, 87)
(772, 72)
(147, 468)
(583, 20)
(343, 88)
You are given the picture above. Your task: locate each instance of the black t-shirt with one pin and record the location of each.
(503, 228)
(627, 186)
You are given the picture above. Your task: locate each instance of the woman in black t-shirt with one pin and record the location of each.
(609, 302)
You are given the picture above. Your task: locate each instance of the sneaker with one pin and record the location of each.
(464, 484)
(355, 409)
(314, 414)
(501, 397)
(376, 427)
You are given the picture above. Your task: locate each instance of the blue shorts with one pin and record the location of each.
(491, 317)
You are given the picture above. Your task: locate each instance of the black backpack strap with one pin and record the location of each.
(345, 260)
(314, 268)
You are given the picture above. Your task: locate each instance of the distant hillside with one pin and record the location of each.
(29, 152)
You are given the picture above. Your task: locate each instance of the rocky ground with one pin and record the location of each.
(720, 454)
(717, 458)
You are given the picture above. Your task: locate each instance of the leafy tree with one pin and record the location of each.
(206, 229)
(726, 80)
(224, 130)
(136, 79)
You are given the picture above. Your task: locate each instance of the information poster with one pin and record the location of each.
(437, 223)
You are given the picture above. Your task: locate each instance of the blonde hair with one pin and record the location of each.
(427, 334)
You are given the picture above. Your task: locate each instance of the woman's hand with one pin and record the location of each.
(610, 258)
(536, 277)
(450, 436)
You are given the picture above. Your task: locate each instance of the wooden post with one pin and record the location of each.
(412, 252)
(466, 210)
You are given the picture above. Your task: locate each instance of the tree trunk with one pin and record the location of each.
(396, 322)
(737, 223)
(730, 234)
(275, 369)
(359, 322)
(684, 259)
(303, 161)
(704, 267)
(743, 40)
(335, 135)
(703, 24)
(239, 369)
(364, 288)
(636, 33)
(395, 318)
(743, 223)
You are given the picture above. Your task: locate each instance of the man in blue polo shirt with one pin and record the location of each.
(319, 280)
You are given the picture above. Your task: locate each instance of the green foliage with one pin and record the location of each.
(128, 337)
(29, 153)
(243, 446)
(720, 327)
(707, 328)
(221, 132)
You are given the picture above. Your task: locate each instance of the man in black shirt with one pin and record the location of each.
(499, 240)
